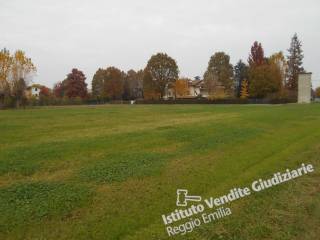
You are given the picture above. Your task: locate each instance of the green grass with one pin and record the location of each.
(110, 172)
(35, 202)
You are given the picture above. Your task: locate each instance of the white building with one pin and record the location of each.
(196, 89)
(33, 91)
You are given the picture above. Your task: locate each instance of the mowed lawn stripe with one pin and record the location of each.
(141, 155)
(216, 172)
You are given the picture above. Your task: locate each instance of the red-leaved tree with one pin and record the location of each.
(58, 90)
(44, 91)
(256, 57)
(75, 85)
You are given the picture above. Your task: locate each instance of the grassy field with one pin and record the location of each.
(110, 172)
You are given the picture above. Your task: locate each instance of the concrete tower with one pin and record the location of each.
(304, 88)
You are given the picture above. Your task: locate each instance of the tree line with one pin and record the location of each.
(15, 73)
(260, 76)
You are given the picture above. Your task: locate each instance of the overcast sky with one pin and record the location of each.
(60, 35)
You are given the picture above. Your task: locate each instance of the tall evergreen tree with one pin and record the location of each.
(294, 58)
(240, 73)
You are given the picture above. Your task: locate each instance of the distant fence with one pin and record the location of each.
(218, 101)
(142, 101)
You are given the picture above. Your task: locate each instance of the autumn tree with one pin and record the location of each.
(219, 74)
(181, 87)
(75, 85)
(44, 91)
(5, 66)
(244, 93)
(109, 83)
(256, 57)
(295, 61)
(126, 95)
(98, 83)
(18, 91)
(240, 74)
(45, 95)
(137, 91)
(264, 80)
(317, 92)
(15, 72)
(59, 90)
(113, 83)
(264, 75)
(149, 87)
(133, 84)
(279, 60)
(162, 70)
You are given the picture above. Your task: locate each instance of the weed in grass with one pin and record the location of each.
(209, 136)
(27, 160)
(31, 202)
(121, 166)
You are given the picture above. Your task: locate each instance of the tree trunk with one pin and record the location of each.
(18, 103)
